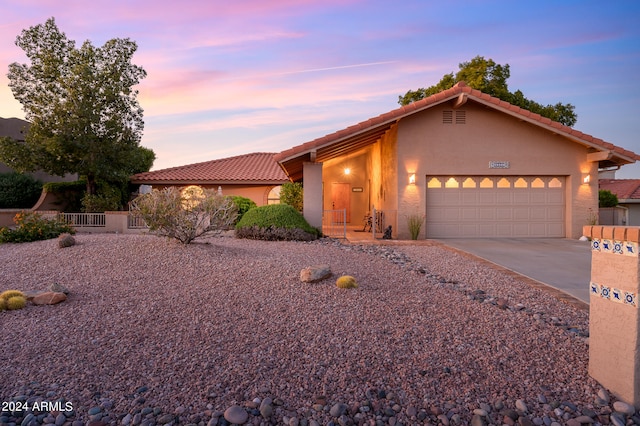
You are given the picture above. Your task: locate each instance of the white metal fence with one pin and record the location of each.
(85, 220)
(334, 223)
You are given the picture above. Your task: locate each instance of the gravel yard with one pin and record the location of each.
(154, 332)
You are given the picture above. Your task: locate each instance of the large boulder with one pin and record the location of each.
(313, 274)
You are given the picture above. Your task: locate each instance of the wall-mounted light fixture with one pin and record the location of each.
(586, 178)
(347, 171)
(412, 178)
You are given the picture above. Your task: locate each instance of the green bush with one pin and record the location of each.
(243, 204)
(108, 198)
(292, 193)
(275, 222)
(18, 191)
(33, 227)
(69, 194)
(607, 198)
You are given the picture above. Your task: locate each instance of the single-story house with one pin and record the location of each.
(472, 165)
(628, 211)
(256, 176)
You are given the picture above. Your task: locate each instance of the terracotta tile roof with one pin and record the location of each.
(459, 90)
(254, 168)
(625, 189)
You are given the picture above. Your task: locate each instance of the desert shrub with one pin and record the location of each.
(414, 222)
(243, 205)
(31, 226)
(346, 281)
(607, 198)
(291, 193)
(18, 191)
(185, 215)
(16, 302)
(275, 222)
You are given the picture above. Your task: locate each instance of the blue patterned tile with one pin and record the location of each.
(595, 244)
(605, 292)
(631, 248)
(630, 299)
(606, 246)
(595, 289)
(618, 247)
(616, 295)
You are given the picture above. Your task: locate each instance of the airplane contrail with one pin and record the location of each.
(338, 67)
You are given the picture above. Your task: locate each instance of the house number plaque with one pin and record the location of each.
(498, 164)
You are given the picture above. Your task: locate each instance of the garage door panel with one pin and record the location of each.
(505, 196)
(485, 214)
(503, 213)
(521, 213)
(502, 206)
(486, 197)
(521, 197)
(555, 213)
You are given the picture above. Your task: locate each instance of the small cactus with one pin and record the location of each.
(346, 281)
(6, 295)
(16, 302)
(3, 305)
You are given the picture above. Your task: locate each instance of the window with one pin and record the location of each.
(274, 195)
(434, 183)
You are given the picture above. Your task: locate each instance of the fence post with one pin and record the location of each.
(344, 223)
(374, 222)
(614, 316)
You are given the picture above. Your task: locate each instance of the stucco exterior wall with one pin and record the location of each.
(257, 193)
(426, 146)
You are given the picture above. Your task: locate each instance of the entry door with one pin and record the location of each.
(341, 199)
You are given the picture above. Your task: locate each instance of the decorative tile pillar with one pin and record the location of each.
(614, 315)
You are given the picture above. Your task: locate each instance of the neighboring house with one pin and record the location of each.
(628, 193)
(16, 128)
(471, 164)
(256, 176)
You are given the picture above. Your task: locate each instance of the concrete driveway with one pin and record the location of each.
(560, 263)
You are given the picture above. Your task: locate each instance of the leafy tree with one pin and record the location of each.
(607, 198)
(491, 78)
(84, 114)
(292, 194)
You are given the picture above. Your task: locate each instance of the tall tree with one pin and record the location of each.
(84, 113)
(491, 78)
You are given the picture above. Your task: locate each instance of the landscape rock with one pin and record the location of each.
(236, 414)
(48, 298)
(313, 274)
(59, 288)
(66, 240)
(624, 408)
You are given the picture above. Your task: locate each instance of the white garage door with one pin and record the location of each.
(495, 206)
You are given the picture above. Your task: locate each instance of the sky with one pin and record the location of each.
(226, 78)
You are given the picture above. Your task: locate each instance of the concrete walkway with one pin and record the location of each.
(560, 263)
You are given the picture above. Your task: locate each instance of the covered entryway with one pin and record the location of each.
(495, 206)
